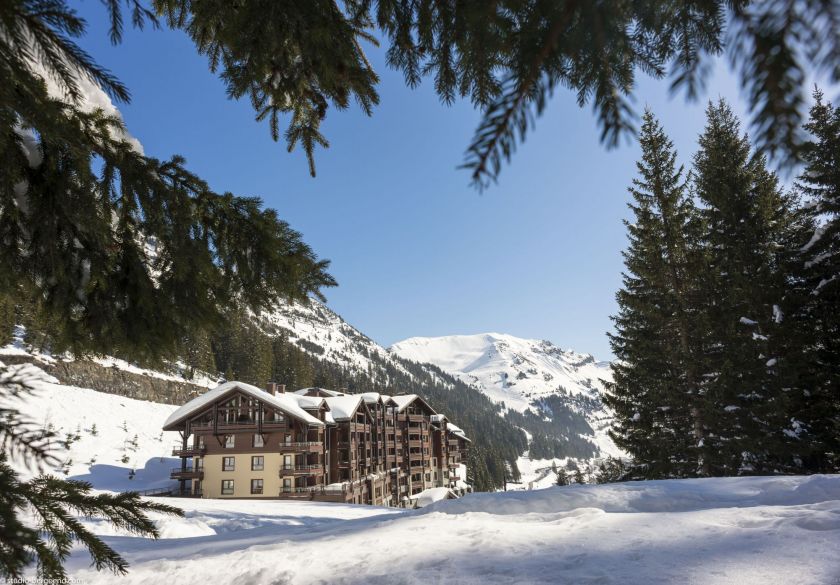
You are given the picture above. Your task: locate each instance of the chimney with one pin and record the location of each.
(271, 388)
(281, 388)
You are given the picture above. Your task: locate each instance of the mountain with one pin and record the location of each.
(552, 393)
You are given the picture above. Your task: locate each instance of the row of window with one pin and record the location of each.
(257, 463)
(227, 487)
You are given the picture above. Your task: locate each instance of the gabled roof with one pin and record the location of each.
(344, 407)
(404, 400)
(285, 404)
(372, 397)
(458, 432)
(308, 402)
(315, 391)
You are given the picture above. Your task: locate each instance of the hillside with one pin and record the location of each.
(310, 345)
(554, 394)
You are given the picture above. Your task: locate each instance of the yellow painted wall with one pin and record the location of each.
(242, 475)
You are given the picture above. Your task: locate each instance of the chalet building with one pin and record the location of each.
(238, 441)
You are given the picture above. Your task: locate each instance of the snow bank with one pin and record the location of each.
(744, 531)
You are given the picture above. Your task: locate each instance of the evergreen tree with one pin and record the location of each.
(655, 377)
(121, 253)
(40, 517)
(298, 59)
(746, 216)
(563, 477)
(816, 318)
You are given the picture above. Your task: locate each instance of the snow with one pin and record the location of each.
(343, 407)
(284, 403)
(127, 436)
(430, 496)
(517, 372)
(744, 531)
(403, 400)
(745, 321)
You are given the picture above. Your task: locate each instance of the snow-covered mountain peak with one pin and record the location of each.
(510, 369)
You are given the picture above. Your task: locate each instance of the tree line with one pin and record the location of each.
(727, 336)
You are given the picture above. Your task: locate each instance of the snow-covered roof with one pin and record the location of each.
(404, 400)
(432, 495)
(308, 402)
(306, 391)
(343, 407)
(282, 402)
(371, 397)
(455, 430)
(436, 418)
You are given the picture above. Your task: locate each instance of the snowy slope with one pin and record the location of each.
(114, 442)
(519, 372)
(744, 531)
(510, 369)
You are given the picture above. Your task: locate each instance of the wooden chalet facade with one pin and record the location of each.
(238, 441)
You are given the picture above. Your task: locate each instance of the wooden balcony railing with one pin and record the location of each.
(186, 473)
(303, 469)
(178, 450)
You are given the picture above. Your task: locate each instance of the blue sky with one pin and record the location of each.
(415, 249)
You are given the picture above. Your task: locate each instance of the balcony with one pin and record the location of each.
(415, 443)
(245, 424)
(301, 446)
(304, 469)
(186, 473)
(178, 450)
(454, 442)
(416, 465)
(416, 418)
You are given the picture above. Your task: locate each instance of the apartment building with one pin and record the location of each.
(239, 441)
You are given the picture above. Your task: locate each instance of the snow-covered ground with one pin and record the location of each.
(742, 531)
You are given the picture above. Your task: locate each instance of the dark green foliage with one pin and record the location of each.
(813, 318)
(563, 477)
(655, 380)
(507, 57)
(55, 505)
(556, 427)
(745, 217)
(740, 349)
(119, 251)
(611, 470)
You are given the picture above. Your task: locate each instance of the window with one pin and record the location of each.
(227, 487)
(257, 463)
(256, 486)
(228, 463)
(229, 441)
(258, 441)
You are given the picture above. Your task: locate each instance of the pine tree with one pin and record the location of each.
(562, 477)
(745, 217)
(655, 384)
(54, 504)
(297, 60)
(816, 319)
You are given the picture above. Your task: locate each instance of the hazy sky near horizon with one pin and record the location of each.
(415, 249)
